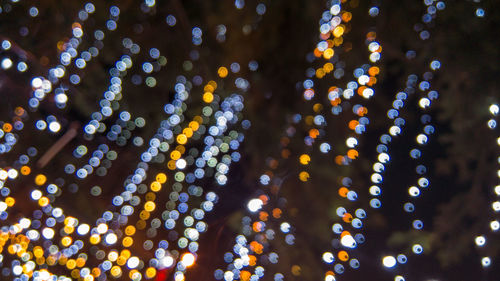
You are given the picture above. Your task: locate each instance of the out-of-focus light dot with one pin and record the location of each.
(399, 278)
(171, 20)
(375, 190)
(181, 164)
(36, 194)
(111, 239)
(389, 261)
(48, 233)
(83, 229)
(188, 259)
(12, 173)
(479, 12)
(25, 223)
(17, 270)
(348, 241)
(367, 93)
(486, 261)
(496, 206)
(102, 228)
(166, 261)
(254, 205)
(22, 66)
(335, 9)
(61, 98)
(480, 241)
(328, 257)
(330, 278)
(373, 12)
(494, 109)
(261, 9)
(435, 64)
(352, 142)
(6, 44)
(414, 191)
(422, 139)
(6, 63)
(417, 249)
(54, 127)
(133, 262)
(495, 225)
(285, 227)
(424, 102)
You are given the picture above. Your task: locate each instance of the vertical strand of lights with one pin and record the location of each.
(422, 182)
(346, 240)
(480, 241)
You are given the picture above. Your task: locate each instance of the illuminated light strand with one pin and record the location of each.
(304, 160)
(421, 139)
(481, 240)
(42, 86)
(346, 239)
(247, 253)
(157, 262)
(123, 126)
(207, 206)
(343, 255)
(358, 126)
(422, 182)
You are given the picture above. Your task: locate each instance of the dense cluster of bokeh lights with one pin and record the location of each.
(162, 204)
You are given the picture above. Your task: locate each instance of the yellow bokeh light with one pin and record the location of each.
(150, 272)
(328, 54)
(149, 206)
(127, 241)
(130, 230)
(213, 84)
(338, 31)
(304, 176)
(95, 239)
(44, 201)
(116, 271)
(304, 159)
(66, 241)
(10, 201)
(208, 97)
(182, 138)
(175, 155)
(222, 72)
(188, 132)
(155, 186)
(161, 178)
(40, 179)
(71, 264)
(194, 125)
